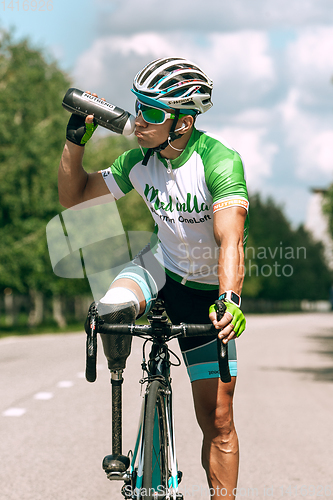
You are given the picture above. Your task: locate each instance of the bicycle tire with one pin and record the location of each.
(155, 462)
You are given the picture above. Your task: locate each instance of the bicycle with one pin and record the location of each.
(150, 471)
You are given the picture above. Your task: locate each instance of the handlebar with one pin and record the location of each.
(168, 330)
(158, 328)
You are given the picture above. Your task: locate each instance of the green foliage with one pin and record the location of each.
(328, 207)
(31, 139)
(32, 136)
(282, 263)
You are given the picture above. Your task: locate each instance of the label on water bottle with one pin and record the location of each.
(105, 114)
(98, 101)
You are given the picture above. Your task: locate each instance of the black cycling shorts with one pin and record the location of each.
(183, 305)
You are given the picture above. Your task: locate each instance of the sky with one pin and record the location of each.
(270, 60)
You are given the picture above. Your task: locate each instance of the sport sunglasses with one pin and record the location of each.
(153, 115)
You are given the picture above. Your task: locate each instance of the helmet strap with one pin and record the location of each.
(172, 137)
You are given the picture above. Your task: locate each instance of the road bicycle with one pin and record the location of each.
(150, 471)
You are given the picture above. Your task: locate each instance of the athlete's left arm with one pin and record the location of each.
(229, 234)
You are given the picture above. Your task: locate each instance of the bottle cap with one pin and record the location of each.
(129, 126)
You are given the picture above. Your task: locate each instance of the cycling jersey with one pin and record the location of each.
(182, 195)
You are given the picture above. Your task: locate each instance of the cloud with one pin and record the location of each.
(128, 16)
(306, 111)
(111, 63)
(311, 138)
(272, 87)
(310, 65)
(314, 153)
(247, 134)
(230, 66)
(256, 151)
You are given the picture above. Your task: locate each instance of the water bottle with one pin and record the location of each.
(107, 115)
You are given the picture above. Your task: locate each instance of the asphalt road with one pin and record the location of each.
(55, 426)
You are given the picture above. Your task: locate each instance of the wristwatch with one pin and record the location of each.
(230, 296)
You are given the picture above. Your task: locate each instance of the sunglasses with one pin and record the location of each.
(153, 115)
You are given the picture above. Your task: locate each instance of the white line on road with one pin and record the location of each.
(43, 395)
(14, 412)
(65, 384)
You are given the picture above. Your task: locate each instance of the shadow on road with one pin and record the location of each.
(323, 346)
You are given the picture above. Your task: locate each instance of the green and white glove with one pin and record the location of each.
(238, 318)
(78, 131)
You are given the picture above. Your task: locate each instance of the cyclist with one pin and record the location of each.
(194, 186)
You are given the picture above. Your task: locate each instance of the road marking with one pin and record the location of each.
(43, 395)
(14, 412)
(65, 384)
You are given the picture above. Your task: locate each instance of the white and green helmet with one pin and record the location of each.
(174, 83)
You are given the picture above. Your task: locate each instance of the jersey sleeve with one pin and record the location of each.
(225, 177)
(117, 177)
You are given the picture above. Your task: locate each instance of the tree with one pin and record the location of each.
(328, 207)
(282, 263)
(32, 136)
(31, 139)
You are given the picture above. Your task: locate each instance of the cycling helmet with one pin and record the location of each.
(174, 83)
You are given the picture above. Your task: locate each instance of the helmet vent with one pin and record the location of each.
(176, 83)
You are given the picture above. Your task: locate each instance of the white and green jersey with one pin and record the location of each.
(182, 195)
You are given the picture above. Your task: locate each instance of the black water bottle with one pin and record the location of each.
(107, 115)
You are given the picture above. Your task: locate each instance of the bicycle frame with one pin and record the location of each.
(136, 467)
(159, 370)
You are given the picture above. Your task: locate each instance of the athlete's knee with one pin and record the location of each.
(219, 434)
(222, 422)
(217, 422)
(119, 305)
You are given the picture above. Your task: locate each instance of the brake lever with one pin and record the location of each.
(222, 349)
(91, 344)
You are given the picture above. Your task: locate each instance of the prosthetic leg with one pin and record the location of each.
(117, 349)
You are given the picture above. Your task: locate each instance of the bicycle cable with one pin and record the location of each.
(177, 358)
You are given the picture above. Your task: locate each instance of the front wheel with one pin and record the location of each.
(155, 462)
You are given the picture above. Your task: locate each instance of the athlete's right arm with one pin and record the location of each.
(75, 185)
